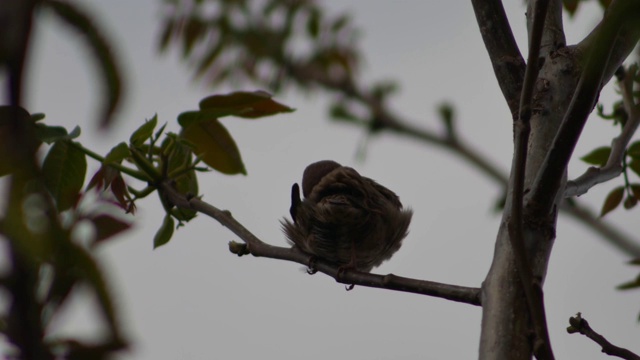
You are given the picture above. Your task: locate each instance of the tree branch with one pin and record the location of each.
(508, 64)
(460, 148)
(256, 247)
(578, 324)
(621, 15)
(533, 293)
(613, 167)
(553, 33)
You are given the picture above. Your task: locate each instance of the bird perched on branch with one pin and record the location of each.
(345, 218)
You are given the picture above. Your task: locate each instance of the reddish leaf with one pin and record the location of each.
(245, 104)
(97, 180)
(108, 226)
(635, 189)
(630, 202)
(612, 201)
(119, 189)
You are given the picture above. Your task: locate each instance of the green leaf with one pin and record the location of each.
(100, 48)
(214, 145)
(35, 117)
(51, 134)
(165, 232)
(245, 104)
(64, 170)
(612, 201)
(340, 111)
(571, 6)
(117, 154)
(144, 132)
(313, 23)
(185, 215)
(634, 150)
(447, 113)
(10, 157)
(194, 29)
(630, 284)
(167, 34)
(598, 156)
(179, 166)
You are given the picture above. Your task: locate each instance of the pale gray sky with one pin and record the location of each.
(192, 299)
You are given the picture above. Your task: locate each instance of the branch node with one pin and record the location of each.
(239, 249)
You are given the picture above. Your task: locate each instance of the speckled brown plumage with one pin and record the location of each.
(345, 218)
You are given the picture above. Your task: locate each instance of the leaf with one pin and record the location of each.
(35, 117)
(245, 104)
(51, 134)
(11, 117)
(447, 112)
(93, 275)
(598, 156)
(100, 48)
(630, 202)
(193, 30)
(635, 189)
(107, 226)
(64, 170)
(612, 201)
(178, 164)
(571, 6)
(167, 33)
(634, 150)
(119, 190)
(214, 145)
(144, 132)
(117, 154)
(630, 284)
(634, 165)
(165, 232)
(189, 118)
(313, 23)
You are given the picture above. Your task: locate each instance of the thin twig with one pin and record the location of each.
(578, 324)
(257, 247)
(613, 167)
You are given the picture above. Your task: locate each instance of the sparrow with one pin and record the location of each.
(345, 218)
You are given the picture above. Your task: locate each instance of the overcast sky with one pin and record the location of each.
(192, 299)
